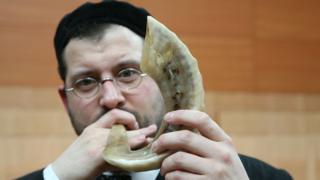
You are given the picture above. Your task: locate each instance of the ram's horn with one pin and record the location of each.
(168, 61)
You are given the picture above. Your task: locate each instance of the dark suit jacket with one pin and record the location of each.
(256, 170)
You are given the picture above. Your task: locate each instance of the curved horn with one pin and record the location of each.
(168, 61)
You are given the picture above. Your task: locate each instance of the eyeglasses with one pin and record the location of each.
(126, 80)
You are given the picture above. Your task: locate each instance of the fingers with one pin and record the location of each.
(136, 137)
(205, 144)
(184, 162)
(117, 116)
(139, 137)
(208, 154)
(182, 165)
(188, 141)
(198, 120)
(182, 140)
(147, 131)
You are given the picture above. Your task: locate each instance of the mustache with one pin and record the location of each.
(137, 115)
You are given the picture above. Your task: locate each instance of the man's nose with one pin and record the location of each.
(111, 96)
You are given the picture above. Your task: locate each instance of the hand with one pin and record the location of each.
(209, 154)
(83, 158)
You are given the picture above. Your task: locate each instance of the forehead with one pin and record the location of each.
(113, 36)
(117, 45)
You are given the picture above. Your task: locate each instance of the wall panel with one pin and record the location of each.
(282, 129)
(259, 60)
(251, 45)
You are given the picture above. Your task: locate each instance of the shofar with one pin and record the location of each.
(168, 61)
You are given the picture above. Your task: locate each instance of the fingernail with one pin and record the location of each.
(153, 127)
(136, 125)
(169, 116)
(154, 147)
(149, 140)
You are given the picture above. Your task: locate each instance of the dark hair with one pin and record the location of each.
(91, 19)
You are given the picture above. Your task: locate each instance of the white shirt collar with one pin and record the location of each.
(145, 175)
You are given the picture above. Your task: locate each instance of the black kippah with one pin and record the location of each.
(115, 12)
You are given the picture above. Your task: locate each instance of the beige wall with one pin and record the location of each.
(250, 45)
(259, 60)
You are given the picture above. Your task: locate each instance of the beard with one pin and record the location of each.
(148, 118)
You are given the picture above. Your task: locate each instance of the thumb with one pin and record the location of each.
(117, 116)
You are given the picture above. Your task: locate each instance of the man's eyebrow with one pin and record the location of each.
(127, 63)
(81, 73)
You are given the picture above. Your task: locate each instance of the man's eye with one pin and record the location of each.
(128, 72)
(128, 75)
(85, 84)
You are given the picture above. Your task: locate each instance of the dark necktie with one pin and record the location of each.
(114, 177)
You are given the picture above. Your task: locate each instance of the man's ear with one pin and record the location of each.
(63, 96)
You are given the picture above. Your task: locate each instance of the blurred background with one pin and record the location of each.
(260, 61)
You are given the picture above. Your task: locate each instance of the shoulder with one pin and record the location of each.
(36, 175)
(257, 169)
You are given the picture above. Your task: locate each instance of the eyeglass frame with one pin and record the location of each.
(102, 81)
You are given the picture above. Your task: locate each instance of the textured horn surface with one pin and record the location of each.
(167, 60)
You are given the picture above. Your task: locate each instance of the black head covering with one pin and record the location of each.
(115, 12)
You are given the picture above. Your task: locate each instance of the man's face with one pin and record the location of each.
(118, 49)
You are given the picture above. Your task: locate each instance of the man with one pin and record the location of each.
(99, 47)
